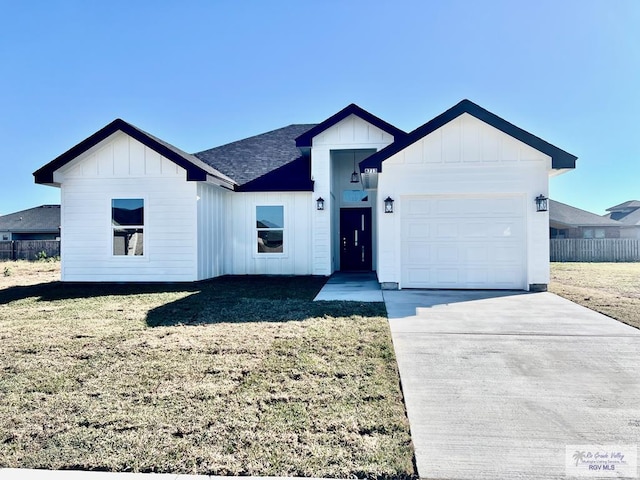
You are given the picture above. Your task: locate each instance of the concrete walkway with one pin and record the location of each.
(497, 384)
(353, 287)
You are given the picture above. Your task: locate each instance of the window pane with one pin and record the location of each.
(587, 233)
(127, 211)
(128, 241)
(270, 241)
(600, 233)
(270, 216)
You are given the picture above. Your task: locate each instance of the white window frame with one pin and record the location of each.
(142, 227)
(255, 230)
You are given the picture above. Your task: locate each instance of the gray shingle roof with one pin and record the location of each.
(45, 218)
(629, 219)
(625, 205)
(561, 213)
(251, 158)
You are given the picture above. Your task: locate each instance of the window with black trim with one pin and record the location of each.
(270, 228)
(127, 223)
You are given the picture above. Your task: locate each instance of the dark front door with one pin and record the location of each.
(355, 239)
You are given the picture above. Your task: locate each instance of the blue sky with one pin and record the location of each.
(203, 73)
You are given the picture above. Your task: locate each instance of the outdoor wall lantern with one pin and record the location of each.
(320, 203)
(542, 203)
(355, 177)
(388, 205)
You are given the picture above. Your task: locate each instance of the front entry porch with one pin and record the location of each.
(351, 287)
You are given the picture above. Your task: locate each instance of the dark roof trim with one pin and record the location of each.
(196, 169)
(304, 140)
(292, 177)
(559, 158)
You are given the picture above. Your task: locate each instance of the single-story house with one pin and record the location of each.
(628, 214)
(449, 205)
(566, 221)
(38, 223)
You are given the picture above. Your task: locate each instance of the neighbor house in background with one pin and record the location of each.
(38, 223)
(627, 213)
(449, 205)
(566, 221)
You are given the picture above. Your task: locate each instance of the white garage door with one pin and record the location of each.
(463, 242)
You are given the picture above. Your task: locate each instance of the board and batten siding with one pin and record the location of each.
(465, 158)
(121, 167)
(350, 133)
(241, 247)
(213, 238)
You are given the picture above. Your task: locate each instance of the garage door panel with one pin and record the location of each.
(419, 207)
(447, 207)
(505, 276)
(476, 277)
(463, 242)
(509, 255)
(418, 275)
(417, 230)
(475, 254)
(505, 229)
(473, 230)
(417, 253)
(446, 254)
(447, 276)
(446, 230)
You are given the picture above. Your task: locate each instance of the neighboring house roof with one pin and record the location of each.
(561, 214)
(266, 162)
(628, 213)
(559, 158)
(45, 218)
(196, 169)
(304, 140)
(628, 218)
(629, 205)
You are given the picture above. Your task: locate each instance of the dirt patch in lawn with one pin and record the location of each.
(609, 288)
(28, 273)
(235, 376)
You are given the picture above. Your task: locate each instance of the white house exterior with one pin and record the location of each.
(135, 208)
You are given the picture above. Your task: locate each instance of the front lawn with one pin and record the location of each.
(609, 288)
(235, 376)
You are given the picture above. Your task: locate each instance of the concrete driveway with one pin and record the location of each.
(497, 384)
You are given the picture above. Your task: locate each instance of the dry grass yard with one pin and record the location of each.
(236, 376)
(609, 288)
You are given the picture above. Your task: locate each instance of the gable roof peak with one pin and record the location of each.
(559, 158)
(304, 140)
(196, 170)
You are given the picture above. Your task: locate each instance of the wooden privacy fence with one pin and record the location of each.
(28, 249)
(595, 250)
